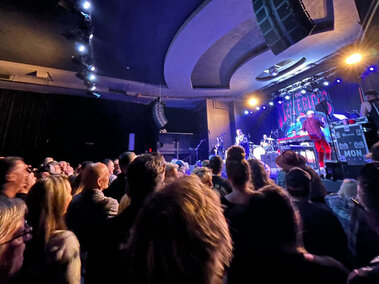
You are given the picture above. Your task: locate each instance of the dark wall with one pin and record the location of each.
(34, 125)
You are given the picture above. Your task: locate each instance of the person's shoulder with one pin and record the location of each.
(368, 274)
(64, 244)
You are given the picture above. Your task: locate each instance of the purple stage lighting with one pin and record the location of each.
(271, 103)
(338, 81)
(280, 102)
(246, 112)
(371, 68)
(257, 108)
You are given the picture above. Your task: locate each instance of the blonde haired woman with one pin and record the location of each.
(13, 233)
(53, 254)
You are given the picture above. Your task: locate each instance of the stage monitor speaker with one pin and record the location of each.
(282, 22)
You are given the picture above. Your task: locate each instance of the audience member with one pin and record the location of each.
(14, 232)
(118, 188)
(76, 179)
(205, 175)
(171, 173)
(13, 175)
(205, 163)
(288, 160)
(322, 232)
(30, 181)
(222, 185)
(341, 203)
(181, 168)
(180, 236)
(52, 256)
(269, 247)
(117, 169)
(110, 165)
(368, 197)
(259, 176)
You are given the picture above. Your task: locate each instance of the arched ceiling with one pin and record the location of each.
(182, 49)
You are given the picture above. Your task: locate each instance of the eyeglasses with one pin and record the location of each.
(26, 234)
(356, 203)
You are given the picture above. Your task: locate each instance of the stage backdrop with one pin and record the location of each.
(292, 113)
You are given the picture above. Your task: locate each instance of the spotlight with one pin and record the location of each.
(257, 108)
(91, 36)
(280, 102)
(264, 107)
(354, 58)
(303, 91)
(246, 112)
(92, 77)
(251, 112)
(338, 81)
(287, 97)
(82, 48)
(86, 5)
(253, 102)
(92, 68)
(271, 103)
(93, 88)
(326, 83)
(97, 95)
(371, 68)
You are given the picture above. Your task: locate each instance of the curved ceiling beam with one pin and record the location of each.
(210, 22)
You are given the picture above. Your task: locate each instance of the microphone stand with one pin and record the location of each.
(197, 149)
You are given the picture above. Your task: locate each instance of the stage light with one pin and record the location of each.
(97, 95)
(246, 112)
(253, 102)
(91, 36)
(338, 81)
(271, 103)
(354, 58)
(92, 68)
(264, 107)
(82, 48)
(86, 5)
(326, 83)
(257, 108)
(92, 77)
(287, 97)
(371, 68)
(93, 88)
(280, 102)
(251, 112)
(303, 91)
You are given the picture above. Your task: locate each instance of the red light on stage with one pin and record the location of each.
(150, 150)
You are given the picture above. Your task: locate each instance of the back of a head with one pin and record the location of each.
(6, 166)
(143, 176)
(368, 189)
(91, 174)
(12, 212)
(348, 189)
(272, 223)
(47, 203)
(298, 183)
(180, 236)
(125, 159)
(215, 164)
(237, 168)
(204, 173)
(259, 176)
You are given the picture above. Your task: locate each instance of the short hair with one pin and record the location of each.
(215, 164)
(47, 202)
(298, 182)
(368, 190)
(237, 168)
(12, 212)
(106, 161)
(6, 166)
(180, 236)
(348, 189)
(125, 159)
(203, 173)
(143, 177)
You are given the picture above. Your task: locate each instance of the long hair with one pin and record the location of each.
(259, 177)
(180, 236)
(237, 168)
(47, 203)
(12, 212)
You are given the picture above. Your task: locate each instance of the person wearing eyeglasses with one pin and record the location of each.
(14, 232)
(368, 200)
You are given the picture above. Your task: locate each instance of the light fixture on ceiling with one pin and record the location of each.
(353, 58)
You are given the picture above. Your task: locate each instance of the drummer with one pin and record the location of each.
(265, 142)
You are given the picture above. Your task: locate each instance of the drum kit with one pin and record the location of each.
(257, 151)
